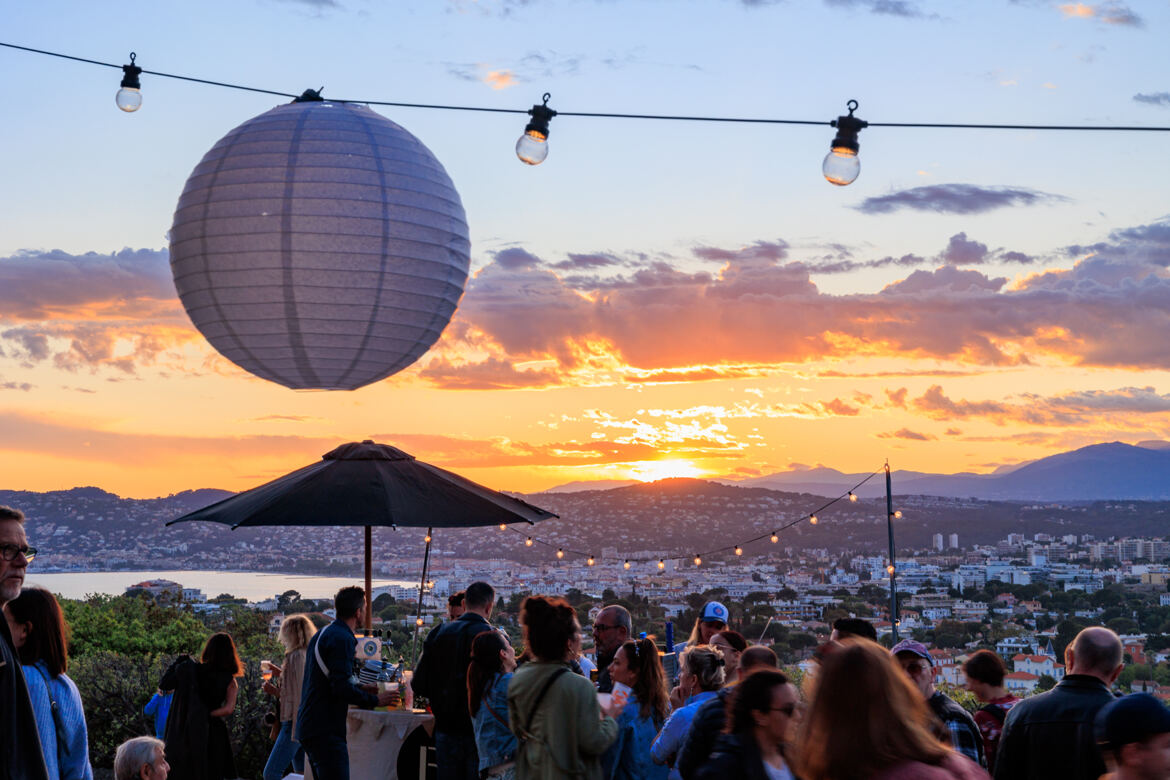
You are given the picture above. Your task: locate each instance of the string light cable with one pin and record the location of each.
(696, 558)
(841, 166)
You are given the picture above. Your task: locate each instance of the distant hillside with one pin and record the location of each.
(1099, 472)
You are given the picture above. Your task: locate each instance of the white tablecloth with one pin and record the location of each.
(375, 738)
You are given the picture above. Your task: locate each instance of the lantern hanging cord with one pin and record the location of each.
(728, 548)
(603, 114)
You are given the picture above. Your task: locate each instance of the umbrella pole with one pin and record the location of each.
(369, 583)
(422, 583)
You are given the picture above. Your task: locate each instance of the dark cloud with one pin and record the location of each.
(848, 266)
(961, 251)
(25, 386)
(882, 7)
(947, 278)
(897, 397)
(579, 262)
(1072, 409)
(955, 199)
(906, 433)
(1153, 98)
(1119, 13)
(43, 285)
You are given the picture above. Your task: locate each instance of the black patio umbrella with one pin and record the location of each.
(367, 484)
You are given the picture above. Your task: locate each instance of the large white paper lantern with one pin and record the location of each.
(320, 245)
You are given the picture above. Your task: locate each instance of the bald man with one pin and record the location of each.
(1051, 735)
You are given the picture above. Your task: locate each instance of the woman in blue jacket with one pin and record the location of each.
(640, 714)
(492, 662)
(38, 632)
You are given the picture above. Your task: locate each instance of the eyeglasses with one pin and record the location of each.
(9, 552)
(600, 627)
(787, 709)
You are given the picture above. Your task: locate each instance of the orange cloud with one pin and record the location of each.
(500, 79)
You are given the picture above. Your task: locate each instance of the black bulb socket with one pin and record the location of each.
(130, 75)
(541, 115)
(847, 129)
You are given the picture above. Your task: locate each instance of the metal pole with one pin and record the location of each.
(369, 582)
(891, 568)
(422, 583)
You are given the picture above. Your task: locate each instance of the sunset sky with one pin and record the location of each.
(656, 299)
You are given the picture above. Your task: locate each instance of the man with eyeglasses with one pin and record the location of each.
(20, 746)
(611, 629)
(918, 665)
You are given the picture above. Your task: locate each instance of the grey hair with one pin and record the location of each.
(622, 617)
(133, 754)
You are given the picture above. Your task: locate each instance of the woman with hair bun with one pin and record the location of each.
(700, 679)
(640, 716)
(552, 711)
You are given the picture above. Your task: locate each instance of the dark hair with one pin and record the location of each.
(986, 667)
(549, 624)
(865, 716)
(479, 595)
(348, 601)
(650, 682)
(752, 694)
(456, 599)
(485, 665)
(848, 626)
(46, 642)
(8, 513)
(735, 639)
(220, 653)
(756, 656)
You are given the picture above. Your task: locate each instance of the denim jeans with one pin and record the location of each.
(284, 750)
(456, 757)
(329, 757)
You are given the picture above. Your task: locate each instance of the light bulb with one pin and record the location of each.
(418, 621)
(528, 542)
(532, 148)
(427, 538)
(841, 166)
(738, 550)
(589, 561)
(698, 561)
(897, 514)
(812, 519)
(853, 497)
(661, 565)
(775, 537)
(626, 565)
(889, 569)
(560, 554)
(503, 527)
(128, 99)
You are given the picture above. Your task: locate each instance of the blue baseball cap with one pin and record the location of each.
(910, 646)
(713, 612)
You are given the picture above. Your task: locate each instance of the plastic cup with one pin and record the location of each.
(266, 670)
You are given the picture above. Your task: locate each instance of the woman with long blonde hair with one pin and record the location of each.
(867, 721)
(295, 633)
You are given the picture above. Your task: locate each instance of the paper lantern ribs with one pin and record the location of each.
(320, 245)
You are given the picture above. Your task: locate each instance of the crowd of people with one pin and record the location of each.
(862, 711)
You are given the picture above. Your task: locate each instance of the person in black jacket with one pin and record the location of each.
(20, 746)
(711, 716)
(441, 676)
(1051, 735)
(330, 686)
(762, 712)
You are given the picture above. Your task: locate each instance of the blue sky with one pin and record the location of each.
(621, 204)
